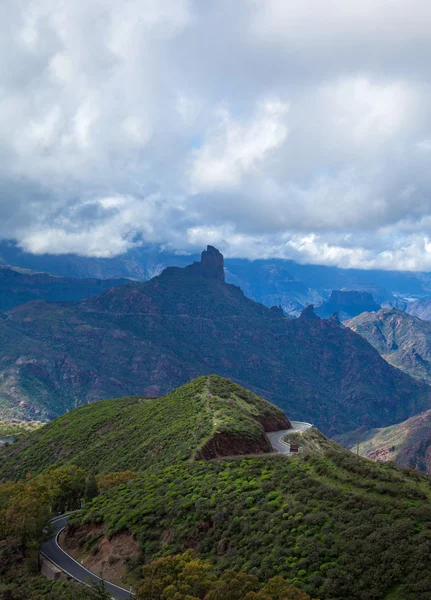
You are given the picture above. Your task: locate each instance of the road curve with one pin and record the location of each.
(73, 568)
(276, 437)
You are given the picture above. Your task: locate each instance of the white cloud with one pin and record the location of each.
(267, 127)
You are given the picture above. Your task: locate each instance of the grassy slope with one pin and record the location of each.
(337, 525)
(134, 433)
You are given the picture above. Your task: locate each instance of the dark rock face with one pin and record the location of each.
(309, 314)
(347, 304)
(212, 263)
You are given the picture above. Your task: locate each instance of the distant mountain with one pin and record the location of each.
(18, 286)
(408, 443)
(347, 304)
(420, 308)
(269, 281)
(148, 338)
(403, 340)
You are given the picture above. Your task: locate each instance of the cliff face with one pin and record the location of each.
(347, 304)
(148, 338)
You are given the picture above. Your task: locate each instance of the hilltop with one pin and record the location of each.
(18, 286)
(205, 418)
(149, 338)
(402, 339)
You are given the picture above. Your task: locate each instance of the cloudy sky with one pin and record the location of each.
(289, 128)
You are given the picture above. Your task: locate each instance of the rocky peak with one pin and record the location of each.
(309, 314)
(212, 263)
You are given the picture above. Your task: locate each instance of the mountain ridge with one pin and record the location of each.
(148, 338)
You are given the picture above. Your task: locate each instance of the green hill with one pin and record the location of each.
(334, 524)
(149, 338)
(207, 417)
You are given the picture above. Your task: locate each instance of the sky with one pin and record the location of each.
(269, 128)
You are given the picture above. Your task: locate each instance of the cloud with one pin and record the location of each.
(267, 127)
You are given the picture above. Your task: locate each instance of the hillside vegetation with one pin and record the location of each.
(149, 338)
(207, 417)
(328, 522)
(334, 524)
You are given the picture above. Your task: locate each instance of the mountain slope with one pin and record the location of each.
(420, 308)
(18, 286)
(403, 340)
(407, 443)
(205, 418)
(148, 338)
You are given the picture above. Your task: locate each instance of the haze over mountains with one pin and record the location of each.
(269, 281)
(148, 338)
(18, 286)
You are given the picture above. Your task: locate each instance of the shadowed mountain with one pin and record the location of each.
(403, 340)
(347, 304)
(149, 338)
(18, 286)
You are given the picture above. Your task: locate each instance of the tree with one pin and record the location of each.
(91, 490)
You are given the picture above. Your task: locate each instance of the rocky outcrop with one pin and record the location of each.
(309, 314)
(211, 264)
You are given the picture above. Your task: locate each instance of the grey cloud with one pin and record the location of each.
(272, 128)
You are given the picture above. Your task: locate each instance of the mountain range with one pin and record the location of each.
(269, 281)
(147, 338)
(18, 286)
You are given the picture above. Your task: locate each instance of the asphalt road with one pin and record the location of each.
(276, 437)
(69, 565)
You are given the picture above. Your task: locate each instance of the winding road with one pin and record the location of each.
(276, 437)
(66, 563)
(52, 551)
